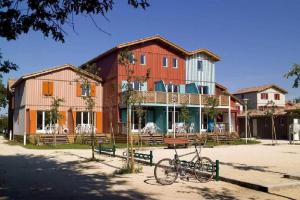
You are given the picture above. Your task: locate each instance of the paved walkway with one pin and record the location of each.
(261, 164)
(65, 174)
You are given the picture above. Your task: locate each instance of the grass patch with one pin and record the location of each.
(127, 169)
(233, 142)
(58, 146)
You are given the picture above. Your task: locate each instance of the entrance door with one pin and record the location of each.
(254, 128)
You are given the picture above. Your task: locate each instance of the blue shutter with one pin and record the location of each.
(182, 89)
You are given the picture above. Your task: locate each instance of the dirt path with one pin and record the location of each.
(65, 174)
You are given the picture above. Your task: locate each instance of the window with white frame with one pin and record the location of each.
(85, 90)
(165, 62)
(83, 118)
(172, 88)
(132, 59)
(137, 85)
(143, 59)
(199, 65)
(43, 119)
(175, 63)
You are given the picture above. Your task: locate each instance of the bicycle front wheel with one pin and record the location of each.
(165, 171)
(204, 169)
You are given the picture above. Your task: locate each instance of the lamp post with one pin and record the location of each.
(246, 119)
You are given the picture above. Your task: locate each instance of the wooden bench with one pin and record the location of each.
(177, 141)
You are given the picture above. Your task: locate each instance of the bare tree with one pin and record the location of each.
(55, 115)
(270, 109)
(130, 97)
(212, 103)
(86, 84)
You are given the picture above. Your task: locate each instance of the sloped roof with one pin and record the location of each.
(162, 40)
(259, 89)
(261, 113)
(54, 69)
(295, 106)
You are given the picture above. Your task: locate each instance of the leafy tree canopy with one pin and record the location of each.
(294, 72)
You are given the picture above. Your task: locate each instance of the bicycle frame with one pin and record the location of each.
(177, 156)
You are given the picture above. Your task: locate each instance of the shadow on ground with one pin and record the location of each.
(38, 177)
(208, 193)
(245, 167)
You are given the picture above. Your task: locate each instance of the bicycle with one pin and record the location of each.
(166, 171)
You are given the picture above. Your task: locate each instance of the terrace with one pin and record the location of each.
(159, 98)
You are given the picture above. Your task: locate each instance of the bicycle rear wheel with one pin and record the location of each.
(165, 171)
(204, 169)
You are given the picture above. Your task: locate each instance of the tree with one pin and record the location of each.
(55, 115)
(3, 123)
(270, 109)
(18, 17)
(89, 100)
(130, 97)
(294, 72)
(185, 115)
(212, 103)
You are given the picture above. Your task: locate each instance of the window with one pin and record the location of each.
(85, 90)
(173, 88)
(171, 118)
(143, 59)
(132, 59)
(137, 85)
(175, 62)
(43, 119)
(47, 88)
(165, 62)
(199, 65)
(264, 95)
(277, 96)
(83, 118)
(135, 120)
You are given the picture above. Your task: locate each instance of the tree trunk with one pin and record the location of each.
(215, 129)
(140, 127)
(272, 124)
(111, 126)
(127, 135)
(274, 130)
(92, 136)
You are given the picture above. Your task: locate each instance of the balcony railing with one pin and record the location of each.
(155, 97)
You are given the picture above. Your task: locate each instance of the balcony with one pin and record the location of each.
(154, 97)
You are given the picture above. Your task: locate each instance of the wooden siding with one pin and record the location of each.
(154, 53)
(206, 77)
(64, 86)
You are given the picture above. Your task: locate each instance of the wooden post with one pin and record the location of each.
(217, 170)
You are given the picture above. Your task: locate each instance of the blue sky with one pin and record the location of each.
(258, 40)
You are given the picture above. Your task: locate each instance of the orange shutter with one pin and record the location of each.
(50, 89)
(32, 118)
(78, 90)
(93, 90)
(74, 119)
(62, 120)
(45, 88)
(99, 122)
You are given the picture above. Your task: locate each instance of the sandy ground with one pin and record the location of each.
(65, 174)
